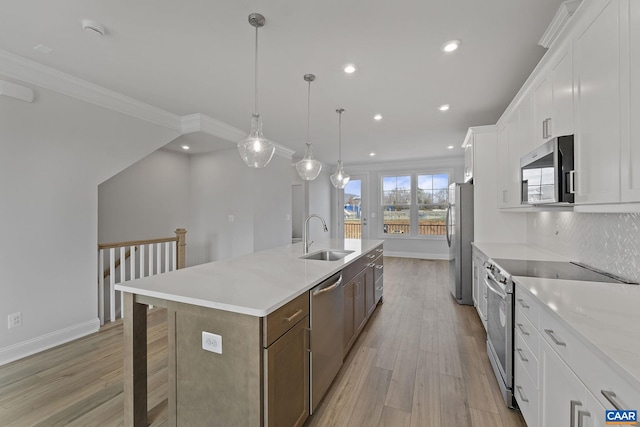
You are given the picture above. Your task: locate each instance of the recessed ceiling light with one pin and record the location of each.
(450, 147)
(377, 117)
(444, 107)
(451, 45)
(43, 49)
(185, 147)
(372, 154)
(349, 69)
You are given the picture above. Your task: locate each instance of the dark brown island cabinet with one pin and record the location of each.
(262, 378)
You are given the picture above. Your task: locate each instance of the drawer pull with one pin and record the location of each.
(522, 329)
(379, 267)
(371, 256)
(521, 354)
(554, 339)
(521, 301)
(522, 396)
(612, 398)
(581, 415)
(293, 316)
(371, 264)
(574, 403)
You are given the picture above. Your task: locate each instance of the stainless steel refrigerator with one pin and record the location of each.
(459, 225)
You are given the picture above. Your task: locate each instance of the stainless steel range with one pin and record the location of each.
(500, 307)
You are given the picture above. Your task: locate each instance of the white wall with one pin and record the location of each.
(272, 204)
(147, 200)
(319, 191)
(432, 247)
(55, 152)
(312, 197)
(236, 210)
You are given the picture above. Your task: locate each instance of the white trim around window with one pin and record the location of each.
(413, 208)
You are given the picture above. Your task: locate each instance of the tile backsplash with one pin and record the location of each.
(608, 242)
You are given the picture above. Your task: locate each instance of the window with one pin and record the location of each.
(396, 202)
(433, 198)
(415, 204)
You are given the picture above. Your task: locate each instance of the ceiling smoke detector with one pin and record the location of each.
(93, 27)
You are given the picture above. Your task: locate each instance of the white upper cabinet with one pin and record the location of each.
(597, 76)
(562, 93)
(630, 167)
(468, 146)
(553, 98)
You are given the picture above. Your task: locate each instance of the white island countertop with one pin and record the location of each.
(605, 317)
(256, 284)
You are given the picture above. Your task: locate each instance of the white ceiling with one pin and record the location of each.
(196, 56)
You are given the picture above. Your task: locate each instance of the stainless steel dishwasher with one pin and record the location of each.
(326, 335)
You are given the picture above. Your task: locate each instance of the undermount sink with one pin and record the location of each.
(327, 255)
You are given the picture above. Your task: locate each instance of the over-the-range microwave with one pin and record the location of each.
(547, 173)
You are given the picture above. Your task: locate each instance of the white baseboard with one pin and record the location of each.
(47, 341)
(418, 255)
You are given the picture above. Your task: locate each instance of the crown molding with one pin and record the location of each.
(28, 71)
(559, 21)
(202, 123)
(25, 70)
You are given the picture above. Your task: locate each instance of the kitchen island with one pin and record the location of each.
(237, 301)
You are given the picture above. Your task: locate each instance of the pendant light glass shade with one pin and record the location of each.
(309, 168)
(256, 150)
(340, 179)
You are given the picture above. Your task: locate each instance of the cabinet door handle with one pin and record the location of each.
(581, 415)
(549, 131)
(293, 316)
(612, 398)
(574, 403)
(572, 182)
(521, 354)
(337, 283)
(553, 337)
(522, 396)
(522, 303)
(522, 329)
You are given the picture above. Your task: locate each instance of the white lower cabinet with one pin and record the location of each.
(558, 380)
(479, 291)
(562, 393)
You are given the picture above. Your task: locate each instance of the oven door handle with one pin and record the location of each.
(493, 288)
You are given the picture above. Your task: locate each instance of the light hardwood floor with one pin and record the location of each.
(420, 361)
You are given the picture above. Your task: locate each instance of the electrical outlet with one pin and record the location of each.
(14, 320)
(212, 342)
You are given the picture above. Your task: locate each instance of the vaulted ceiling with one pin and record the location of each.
(196, 56)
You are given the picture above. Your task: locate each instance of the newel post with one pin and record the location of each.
(182, 247)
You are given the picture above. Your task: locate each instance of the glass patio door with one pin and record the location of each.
(355, 208)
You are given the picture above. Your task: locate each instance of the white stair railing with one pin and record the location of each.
(133, 260)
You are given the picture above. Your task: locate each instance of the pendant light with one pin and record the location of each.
(256, 150)
(340, 179)
(309, 168)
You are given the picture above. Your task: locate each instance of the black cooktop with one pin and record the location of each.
(552, 270)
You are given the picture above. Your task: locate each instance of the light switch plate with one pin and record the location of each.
(212, 342)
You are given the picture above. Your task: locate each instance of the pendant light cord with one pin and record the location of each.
(340, 135)
(256, 75)
(309, 114)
